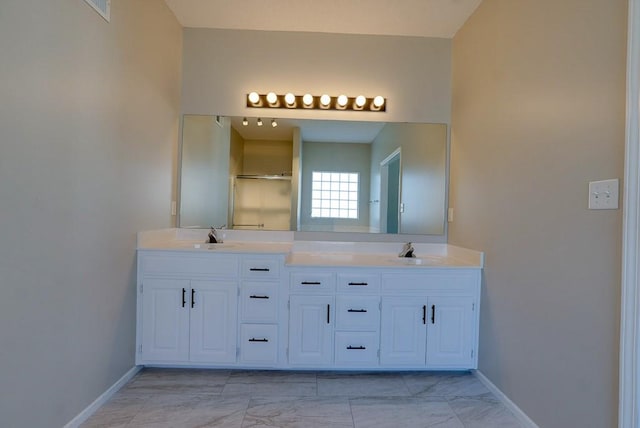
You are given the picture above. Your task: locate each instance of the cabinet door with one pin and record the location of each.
(450, 331)
(213, 321)
(311, 330)
(165, 320)
(403, 331)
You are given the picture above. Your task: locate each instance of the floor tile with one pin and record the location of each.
(362, 385)
(447, 385)
(298, 412)
(403, 412)
(118, 412)
(158, 381)
(483, 411)
(271, 389)
(257, 376)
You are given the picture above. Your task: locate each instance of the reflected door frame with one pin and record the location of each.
(384, 191)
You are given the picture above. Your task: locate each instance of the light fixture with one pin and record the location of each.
(274, 123)
(245, 121)
(290, 100)
(259, 122)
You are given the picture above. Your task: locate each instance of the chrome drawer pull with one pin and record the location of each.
(358, 283)
(258, 340)
(358, 348)
(357, 310)
(258, 297)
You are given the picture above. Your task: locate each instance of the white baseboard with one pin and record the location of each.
(525, 420)
(93, 407)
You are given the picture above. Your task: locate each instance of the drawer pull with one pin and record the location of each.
(357, 348)
(328, 314)
(259, 269)
(258, 340)
(358, 283)
(193, 297)
(433, 314)
(184, 302)
(258, 297)
(311, 283)
(357, 310)
(424, 314)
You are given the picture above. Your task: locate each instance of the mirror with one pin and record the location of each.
(313, 175)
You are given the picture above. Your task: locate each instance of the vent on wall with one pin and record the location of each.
(103, 7)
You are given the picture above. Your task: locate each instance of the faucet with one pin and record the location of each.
(213, 236)
(407, 250)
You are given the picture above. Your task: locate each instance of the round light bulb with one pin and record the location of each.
(360, 100)
(290, 99)
(274, 123)
(342, 100)
(272, 98)
(245, 121)
(325, 100)
(254, 97)
(259, 122)
(307, 99)
(378, 101)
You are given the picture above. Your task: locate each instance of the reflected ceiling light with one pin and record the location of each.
(290, 99)
(342, 100)
(307, 99)
(259, 122)
(274, 123)
(245, 121)
(325, 100)
(254, 97)
(360, 101)
(272, 98)
(378, 101)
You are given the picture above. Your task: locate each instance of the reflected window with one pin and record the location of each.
(334, 194)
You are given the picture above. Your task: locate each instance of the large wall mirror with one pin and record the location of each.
(313, 175)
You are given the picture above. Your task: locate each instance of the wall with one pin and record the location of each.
(89, 125)
(222, 66)
(538, 112)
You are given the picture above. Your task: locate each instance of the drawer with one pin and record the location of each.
(259, 344)
(358, 283)
(454, 281)
(260, 268)
(355, 348)
(211, 265)
(360, 313)
(313, 281)
(258, 302)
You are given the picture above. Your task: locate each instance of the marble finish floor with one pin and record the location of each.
(186, 398)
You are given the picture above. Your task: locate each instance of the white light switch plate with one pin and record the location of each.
(603, 195)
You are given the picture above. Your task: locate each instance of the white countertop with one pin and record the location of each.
(313, 253)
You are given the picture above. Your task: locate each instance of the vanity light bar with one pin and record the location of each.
(316, 102)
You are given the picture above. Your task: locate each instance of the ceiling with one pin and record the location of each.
(420, 18)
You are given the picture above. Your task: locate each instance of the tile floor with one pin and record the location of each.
(186, 398)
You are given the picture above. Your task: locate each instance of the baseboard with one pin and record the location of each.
(103, 398)
(517, 412)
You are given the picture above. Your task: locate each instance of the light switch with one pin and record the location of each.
(603, 195)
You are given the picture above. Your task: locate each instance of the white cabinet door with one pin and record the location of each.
(165, 320)
(403, 331)
(450, 331)
(213, 321)
(311, 330)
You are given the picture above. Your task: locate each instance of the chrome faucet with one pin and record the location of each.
(407, 250)
(214, 237)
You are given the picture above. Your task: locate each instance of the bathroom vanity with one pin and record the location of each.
(284, 304)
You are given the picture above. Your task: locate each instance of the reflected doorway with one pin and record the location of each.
(390, 191)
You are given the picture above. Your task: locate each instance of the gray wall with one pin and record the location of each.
(538, 112)
(88, 131)
(222, 66)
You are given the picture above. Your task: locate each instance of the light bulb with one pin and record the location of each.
(307, 99)
(259, 122)
(274, 123)
(325, 100)
(378, 101)
(289, 98)
(342, 100)
(254, 97)
(245, 121)
(272, 98)
(360, 100)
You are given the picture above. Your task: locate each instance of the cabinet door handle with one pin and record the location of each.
(358, 283)
(184, 301)
(424, 314)
(258, 340)
(357, 310)
(193, 297)
(433, 314)
(310, 283)
(328, 313)
(258, 297)
(359, 348)
(259, 269)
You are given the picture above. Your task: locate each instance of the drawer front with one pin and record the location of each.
(357, 348)
(260, 268)
(467, 281)
(258, 302)
(218, 265)
(259, 344)
(358, 283)
(313, 281)
(360, 313)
